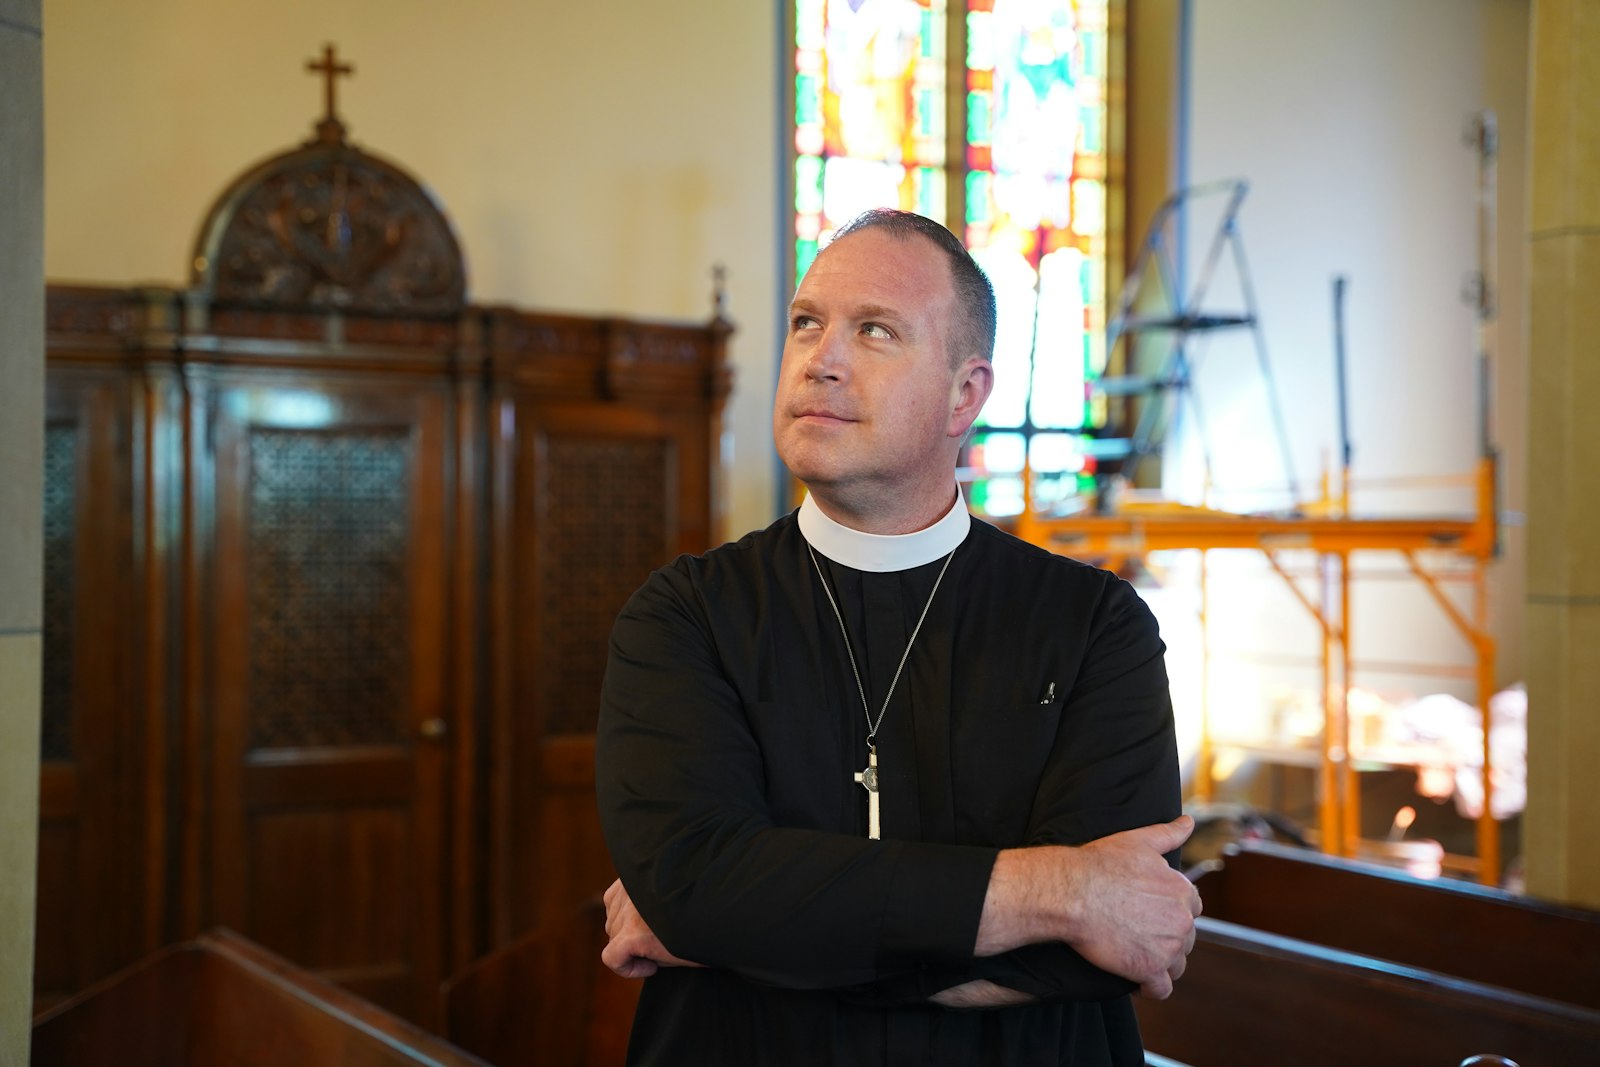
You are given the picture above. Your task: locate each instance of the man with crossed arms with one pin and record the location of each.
(883, 783)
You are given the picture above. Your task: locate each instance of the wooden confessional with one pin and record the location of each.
(331, 561)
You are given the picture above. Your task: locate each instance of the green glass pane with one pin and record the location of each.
(977, 197)
(804, 253)
(1092, 129)
(807, 99)
(930, 192)
(978, 126)
(808, 184)
(1094, 52)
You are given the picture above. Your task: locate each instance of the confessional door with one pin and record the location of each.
(95, 906)
(594, 498)
(325, 617)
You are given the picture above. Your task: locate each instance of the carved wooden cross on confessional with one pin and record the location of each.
(330, 68)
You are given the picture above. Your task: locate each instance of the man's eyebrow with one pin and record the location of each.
(860, 312)
(878, 311)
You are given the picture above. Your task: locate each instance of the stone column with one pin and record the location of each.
(21, 541)
(1562, 822)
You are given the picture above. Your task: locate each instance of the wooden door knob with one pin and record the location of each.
(433, 729)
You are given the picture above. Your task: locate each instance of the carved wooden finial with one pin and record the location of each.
(719, 290)
(330, 128)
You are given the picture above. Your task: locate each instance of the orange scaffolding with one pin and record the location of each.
(1137, 531)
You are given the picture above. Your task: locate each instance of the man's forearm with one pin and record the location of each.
(980, 994)
(1028, 900)
(1114, 900)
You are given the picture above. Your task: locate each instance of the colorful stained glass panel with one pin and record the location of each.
(870, 130)
(869, 112)
(1037, 66)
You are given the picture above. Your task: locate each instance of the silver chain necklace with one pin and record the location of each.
(867, 777)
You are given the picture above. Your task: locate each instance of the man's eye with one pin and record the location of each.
(804, 322)
(873, 329)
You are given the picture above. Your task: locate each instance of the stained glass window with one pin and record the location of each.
(1021, 177)
(869, 113)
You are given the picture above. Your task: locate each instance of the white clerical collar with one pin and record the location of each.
(884, 552)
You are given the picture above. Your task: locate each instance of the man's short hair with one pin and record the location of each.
(973, 334)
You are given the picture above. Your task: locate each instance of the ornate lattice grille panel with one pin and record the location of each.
(60, 528)
(326, 562)
(603, 531)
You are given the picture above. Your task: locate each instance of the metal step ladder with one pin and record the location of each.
(1160, 328)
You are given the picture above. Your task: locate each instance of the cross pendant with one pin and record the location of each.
(868, 778)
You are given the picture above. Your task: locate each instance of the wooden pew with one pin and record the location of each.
(545, 998)
(1256, 999)
(222, 999)
(1449, 926)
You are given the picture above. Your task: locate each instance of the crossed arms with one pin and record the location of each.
(1080, 913)
(1115, 901)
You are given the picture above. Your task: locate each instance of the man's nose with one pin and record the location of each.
(829, 359)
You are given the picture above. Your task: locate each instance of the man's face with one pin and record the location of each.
(868, 402)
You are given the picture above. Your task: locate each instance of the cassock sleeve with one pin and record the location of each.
(679, 781)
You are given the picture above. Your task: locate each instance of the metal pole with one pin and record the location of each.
(1341, 371)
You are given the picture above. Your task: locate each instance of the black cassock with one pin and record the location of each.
(1033, 709)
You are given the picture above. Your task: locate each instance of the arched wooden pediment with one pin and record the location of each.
(328, 226)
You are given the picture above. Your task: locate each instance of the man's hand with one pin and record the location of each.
(633, 951)
(1134, 915)
(1114, 900)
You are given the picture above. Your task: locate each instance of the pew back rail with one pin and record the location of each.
(223, 999)
(1256, 999)
(1444, 925)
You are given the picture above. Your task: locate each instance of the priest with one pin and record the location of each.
(884, 784)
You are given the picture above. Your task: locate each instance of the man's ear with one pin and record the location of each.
(969, 391)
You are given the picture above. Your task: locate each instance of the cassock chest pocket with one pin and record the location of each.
(1000, 756)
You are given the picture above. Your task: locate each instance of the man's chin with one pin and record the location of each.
(815, 466)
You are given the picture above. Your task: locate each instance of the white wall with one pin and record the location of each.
(595, 158)
(1347, 119)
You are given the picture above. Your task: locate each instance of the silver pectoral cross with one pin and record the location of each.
(868, 777)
